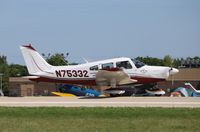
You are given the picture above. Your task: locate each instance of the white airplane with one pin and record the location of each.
(110, 72)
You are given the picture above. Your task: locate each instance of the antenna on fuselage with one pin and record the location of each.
(86, 61)
(172, 77)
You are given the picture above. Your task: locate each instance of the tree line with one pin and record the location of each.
(189, 62)
(10, 70)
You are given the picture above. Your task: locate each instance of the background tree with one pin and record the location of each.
(177, 63)
(198, 86)
(4, 71)
(3, 60)
(58, 59)
(197, 61)
(16, 70)
(168, 61)
(150, 60)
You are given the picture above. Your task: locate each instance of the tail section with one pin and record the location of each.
(34, 61)
(189, 86)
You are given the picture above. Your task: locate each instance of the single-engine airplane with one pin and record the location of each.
(111, 72)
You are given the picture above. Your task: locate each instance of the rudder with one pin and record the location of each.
(34, 61)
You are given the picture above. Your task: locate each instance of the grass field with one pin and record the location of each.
(52, 119)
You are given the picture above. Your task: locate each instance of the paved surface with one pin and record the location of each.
(100, 102)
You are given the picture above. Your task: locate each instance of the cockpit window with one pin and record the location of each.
(124, 64)
(107, 66)
(138, 63)
(94, 68)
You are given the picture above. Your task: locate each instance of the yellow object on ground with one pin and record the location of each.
(63, 94)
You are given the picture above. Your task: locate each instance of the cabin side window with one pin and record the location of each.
(94, 68)
(137, 63)
(107, 66)
(124, 64)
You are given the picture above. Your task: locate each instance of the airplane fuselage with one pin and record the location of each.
(86, 73)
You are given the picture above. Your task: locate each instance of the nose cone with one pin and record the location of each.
(173, 71)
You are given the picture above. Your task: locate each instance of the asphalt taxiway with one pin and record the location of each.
(100, 102)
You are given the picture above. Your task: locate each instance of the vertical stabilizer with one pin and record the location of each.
(189, 86)
(34, 61)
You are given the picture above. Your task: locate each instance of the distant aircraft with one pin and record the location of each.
(78, 90)
(155, 92)
(196, 92)
(111, 72)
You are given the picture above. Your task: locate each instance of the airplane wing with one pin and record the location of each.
(113, 77)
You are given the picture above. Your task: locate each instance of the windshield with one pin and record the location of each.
(138, 63)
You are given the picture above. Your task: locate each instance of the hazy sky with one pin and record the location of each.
(99, 29)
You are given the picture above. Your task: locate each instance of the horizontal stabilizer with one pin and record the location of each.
(31, 77)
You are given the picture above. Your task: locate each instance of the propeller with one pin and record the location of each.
(171, 74)
(170, 69)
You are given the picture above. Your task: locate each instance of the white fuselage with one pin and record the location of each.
(86, 73)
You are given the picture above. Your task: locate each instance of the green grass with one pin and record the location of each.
(52, 119)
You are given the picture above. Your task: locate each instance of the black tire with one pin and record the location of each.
(114, 95)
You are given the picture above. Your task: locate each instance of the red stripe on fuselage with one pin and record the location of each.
(140, 80)
(54, 80)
